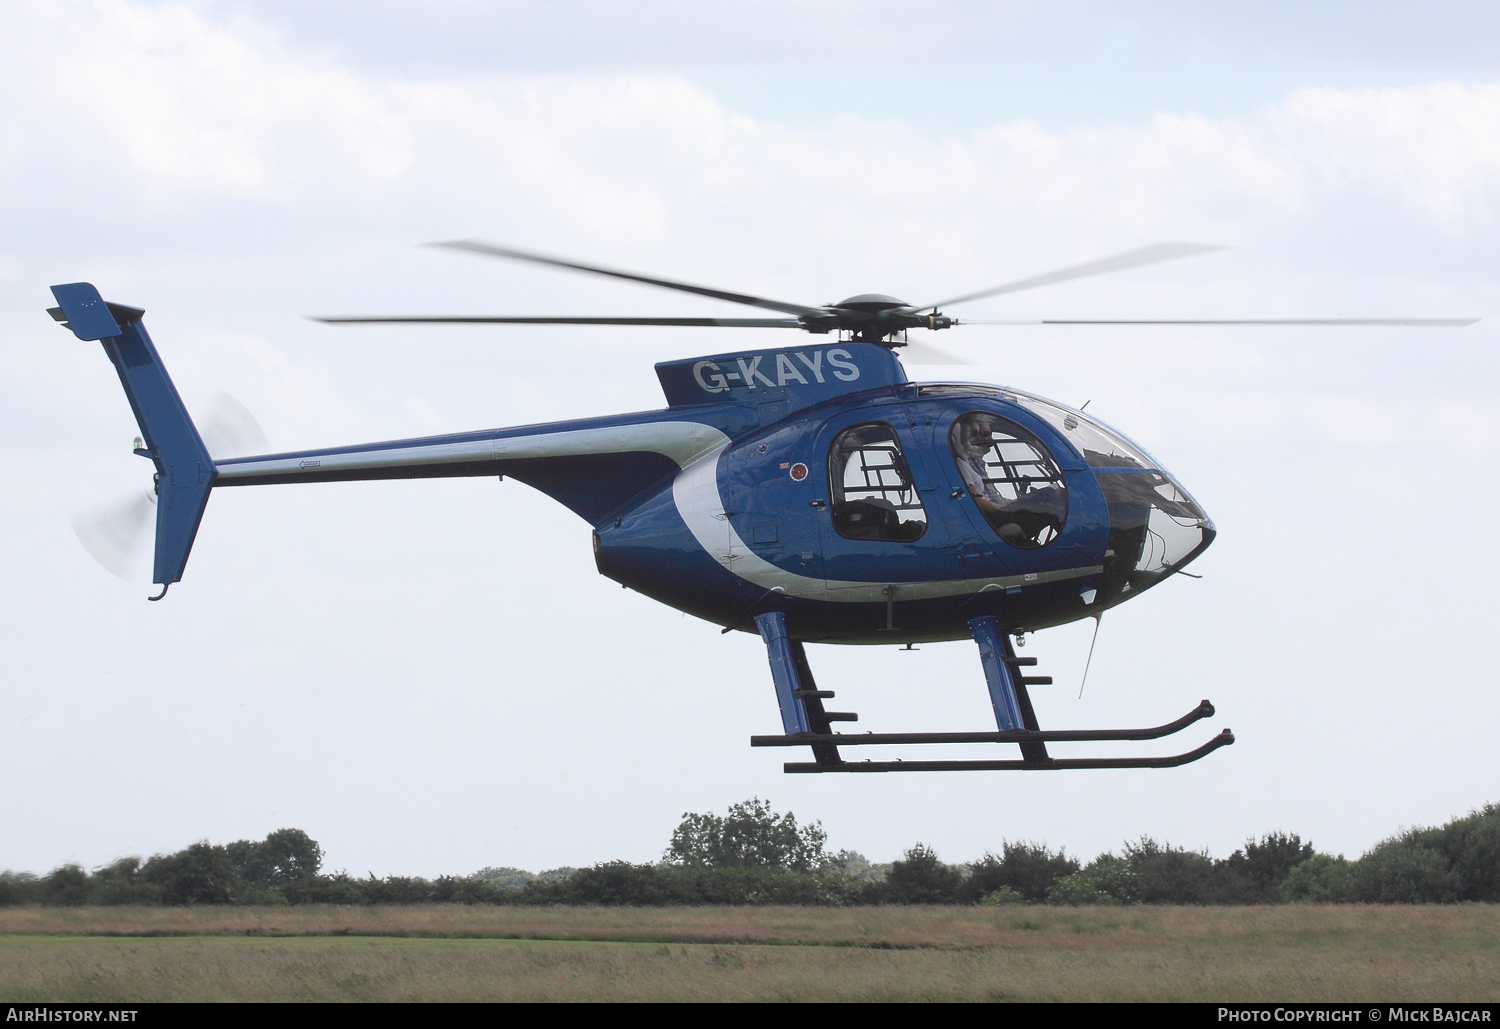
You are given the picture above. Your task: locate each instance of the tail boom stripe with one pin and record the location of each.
(445, 456)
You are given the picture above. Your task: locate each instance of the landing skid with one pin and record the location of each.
(1224, 738)
(808, 725)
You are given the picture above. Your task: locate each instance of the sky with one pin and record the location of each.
(431, 677)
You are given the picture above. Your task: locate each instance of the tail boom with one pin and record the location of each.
(591, 466)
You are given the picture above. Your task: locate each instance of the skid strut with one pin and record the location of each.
(807, 724)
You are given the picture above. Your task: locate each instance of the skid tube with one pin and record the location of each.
(1203, 710)
(1224, 739)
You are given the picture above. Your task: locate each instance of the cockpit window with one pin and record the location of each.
(1101, 446)
(874, 497)
(1012, 477)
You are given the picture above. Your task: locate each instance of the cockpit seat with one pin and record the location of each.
(874, 518)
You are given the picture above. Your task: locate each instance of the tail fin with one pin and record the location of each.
(185, 472)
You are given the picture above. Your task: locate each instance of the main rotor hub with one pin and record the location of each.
(872, 317)
(871, 303)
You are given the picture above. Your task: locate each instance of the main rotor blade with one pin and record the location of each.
(230, 430)
(737, 323)
(1417, 322)
(738, 298)
(1119, 262)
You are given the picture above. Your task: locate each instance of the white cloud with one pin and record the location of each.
(187, 107)
(190, 110)
(1432, 149)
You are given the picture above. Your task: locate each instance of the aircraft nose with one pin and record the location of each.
(1209, 533)
(1155, 529)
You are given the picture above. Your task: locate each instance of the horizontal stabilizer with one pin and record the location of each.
(85, 312)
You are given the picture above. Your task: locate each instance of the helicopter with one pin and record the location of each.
(808, 494)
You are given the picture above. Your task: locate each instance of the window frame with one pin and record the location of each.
(836, 468)
(1019, 433)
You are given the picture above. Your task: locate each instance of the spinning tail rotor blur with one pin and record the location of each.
(116, 533)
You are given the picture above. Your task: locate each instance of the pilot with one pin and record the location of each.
(972, 443)
(1034, 515)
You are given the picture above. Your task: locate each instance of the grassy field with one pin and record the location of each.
(920, 953)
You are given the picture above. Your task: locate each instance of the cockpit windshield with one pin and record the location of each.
(1101, 446)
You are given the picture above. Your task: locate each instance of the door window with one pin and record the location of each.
(1012, 477)
(870, 482)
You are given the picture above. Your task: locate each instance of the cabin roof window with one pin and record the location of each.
(874, 497)
(1012, 477)
(1101, 446)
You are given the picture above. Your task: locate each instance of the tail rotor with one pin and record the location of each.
(115, 534)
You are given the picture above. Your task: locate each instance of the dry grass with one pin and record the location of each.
(516, 953)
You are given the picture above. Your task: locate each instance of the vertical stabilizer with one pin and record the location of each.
(184, 470)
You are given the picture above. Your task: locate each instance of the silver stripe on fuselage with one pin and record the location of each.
(680, 441)
(696, 493)
(695, 447)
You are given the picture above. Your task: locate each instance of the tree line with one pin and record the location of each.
(753, 855)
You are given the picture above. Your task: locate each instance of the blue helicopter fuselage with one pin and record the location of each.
(814, 482)
(819, 482)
